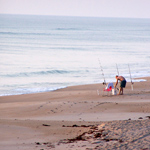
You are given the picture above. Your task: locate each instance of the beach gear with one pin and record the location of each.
(108, 88)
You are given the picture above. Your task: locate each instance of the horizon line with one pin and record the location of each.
(75, 16)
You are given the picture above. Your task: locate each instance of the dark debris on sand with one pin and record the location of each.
(124, 135)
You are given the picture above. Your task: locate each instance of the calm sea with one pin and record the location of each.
(44, 53)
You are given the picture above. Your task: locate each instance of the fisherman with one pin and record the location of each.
(122, 84)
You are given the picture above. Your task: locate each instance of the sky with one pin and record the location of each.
(91, 8)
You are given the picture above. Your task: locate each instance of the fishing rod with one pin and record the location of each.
(130, 78)
(117, 74)
(104, 83)
(117, 70)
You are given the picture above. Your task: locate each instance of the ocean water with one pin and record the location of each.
(45, 53)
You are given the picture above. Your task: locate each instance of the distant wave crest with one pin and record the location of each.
(38, 33)
(21, 33)
(38, 73)
(67, 29)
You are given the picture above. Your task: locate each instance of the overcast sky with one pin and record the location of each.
(97, 8)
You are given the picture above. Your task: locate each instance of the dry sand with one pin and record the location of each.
(77, 118)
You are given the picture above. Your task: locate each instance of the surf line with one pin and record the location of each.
(130, 77)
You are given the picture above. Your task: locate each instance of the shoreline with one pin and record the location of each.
(45, 120)
(141, 79)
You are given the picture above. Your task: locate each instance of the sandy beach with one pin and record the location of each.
(77, 118)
